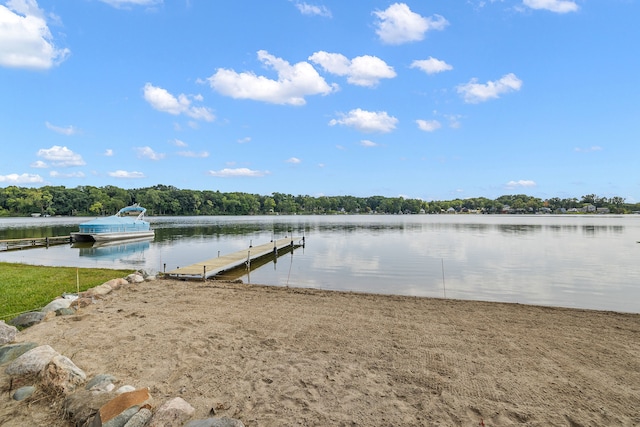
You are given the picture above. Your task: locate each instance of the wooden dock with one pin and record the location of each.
(212, 267)
(33, 242)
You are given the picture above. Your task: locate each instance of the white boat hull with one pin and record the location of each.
(107, 237)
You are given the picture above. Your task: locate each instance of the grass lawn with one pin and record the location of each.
(29, 287)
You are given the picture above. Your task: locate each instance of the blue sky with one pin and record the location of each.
(424, 99)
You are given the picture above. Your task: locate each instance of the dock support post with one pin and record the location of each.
(164, 267)
(204, 272)
(46, 242)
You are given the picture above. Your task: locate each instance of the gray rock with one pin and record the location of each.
(122, 418)
(173, 413)
(65, 312)
(26, 320)
(215, 422)
(7, 333)
(99, 380)
(10, 352)
(32, 362)
(57, 304)
(140, 419)
(135, 278)
(23, 392)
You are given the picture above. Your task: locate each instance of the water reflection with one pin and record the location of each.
(575, 261)
(128, 252)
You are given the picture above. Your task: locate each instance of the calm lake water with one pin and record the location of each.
(572, 261)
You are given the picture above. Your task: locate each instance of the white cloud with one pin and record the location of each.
(148, 153)
(431, 65)
(398, 24)
(367, 121)
(362, 70)
(202, 154)
(294, 160)
(238, 172)
(474, 92)
(56, 174)
(61, 156)
(558, 6)
(244, 140)
(108, 152)
(179, 143)
(25, 178)
(310, 9)
(25, 38)
(121, 4)
(39, 164)
(162, 100)
(367, 143)
(69, 130)
(521, 183)
(428, 125)
(126, 174)
(293, 84)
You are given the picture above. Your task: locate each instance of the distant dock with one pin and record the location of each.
(32, 242)
(212, 267)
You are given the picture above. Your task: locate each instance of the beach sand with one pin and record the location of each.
(274, 356)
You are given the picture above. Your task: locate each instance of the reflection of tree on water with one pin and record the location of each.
(125, 251)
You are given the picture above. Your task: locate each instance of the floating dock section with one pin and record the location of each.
(212, 267)
(33, 242)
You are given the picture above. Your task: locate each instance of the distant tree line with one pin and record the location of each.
(169, 200)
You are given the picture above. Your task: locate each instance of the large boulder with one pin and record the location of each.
(57, 304)
(26, 320)
(62, 375)
(11, 352)
(32, 362)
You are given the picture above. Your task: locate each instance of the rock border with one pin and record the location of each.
(86, 402)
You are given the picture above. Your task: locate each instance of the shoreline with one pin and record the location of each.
(274, 356)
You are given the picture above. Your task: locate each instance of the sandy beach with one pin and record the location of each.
(273, 356)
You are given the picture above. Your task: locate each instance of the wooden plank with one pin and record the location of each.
(32, 242)
(214, 266)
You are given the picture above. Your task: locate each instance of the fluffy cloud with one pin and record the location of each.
(25, 178)
(61, 156)
(474, 92)
(521, 183)
(294, 160)
(367, 121)
(162, 100)
(558, 6)
(293, 84)
(125, 174)
(238, 172)
(398, 24)
(431, 65)
(25, 38)
(148, 153)
(310, 9)
(428, 125)
(362, 70)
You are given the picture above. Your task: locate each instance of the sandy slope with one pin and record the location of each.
(282, 356)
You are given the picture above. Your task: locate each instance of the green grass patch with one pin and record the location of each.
(30, 287)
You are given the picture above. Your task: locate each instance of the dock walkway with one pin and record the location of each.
(32, 242)
(214, 266)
